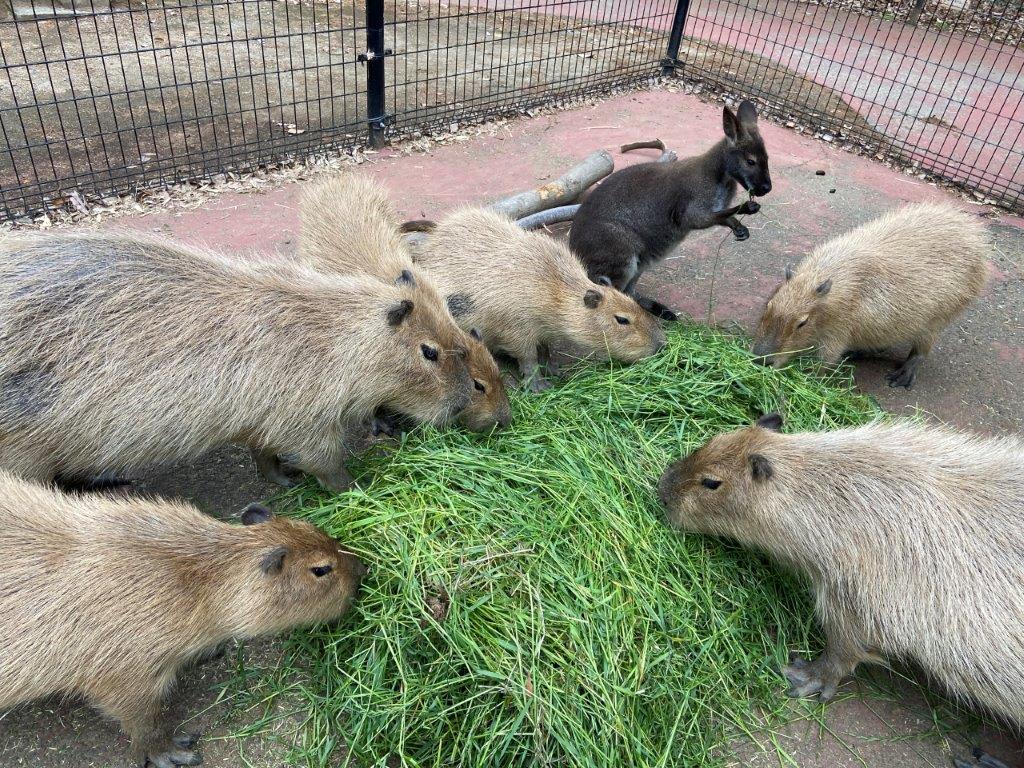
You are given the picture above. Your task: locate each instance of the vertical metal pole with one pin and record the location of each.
(671, 62)
(375, 54)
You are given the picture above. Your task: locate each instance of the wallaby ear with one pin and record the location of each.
(254, 514)
(405, 278)
(273, 562)
(789, 272)
(824, 288)
(747, 113)
(770, 421)
(760, 467)
(475, 334)
(592, 298)
(730, 125)
(399, 312)
(604, 280)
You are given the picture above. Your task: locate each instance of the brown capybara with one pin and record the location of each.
(349, 226)
(119, 351)
(900, 279)
(912, 537)
(107, 598)
(524, 291)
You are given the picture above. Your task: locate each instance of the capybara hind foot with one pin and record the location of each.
(807, 678)
(177, 752)
(268, 464)
(656, 308)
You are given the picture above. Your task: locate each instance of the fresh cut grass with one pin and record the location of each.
(527, 605)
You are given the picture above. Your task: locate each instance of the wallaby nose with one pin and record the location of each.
(763, 189)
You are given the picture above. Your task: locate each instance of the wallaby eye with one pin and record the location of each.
(621, 320)
(429, 352)
(478, 386)
(751, 162)
(321, 570)
(710, 483)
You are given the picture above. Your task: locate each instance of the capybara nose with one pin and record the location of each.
(355, 566)
(663, 486)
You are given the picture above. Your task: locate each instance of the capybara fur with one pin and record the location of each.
(524, 291)
(350, 226)
(638, 215)
(107, 598)
(912, 537)
(119, 351)
(900, 279)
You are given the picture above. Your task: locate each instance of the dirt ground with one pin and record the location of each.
(972, 379)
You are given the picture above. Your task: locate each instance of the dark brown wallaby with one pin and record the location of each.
(638, 215)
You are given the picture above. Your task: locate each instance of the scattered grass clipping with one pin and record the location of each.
(527, 605)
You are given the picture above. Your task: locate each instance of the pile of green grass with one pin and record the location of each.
(528, 605)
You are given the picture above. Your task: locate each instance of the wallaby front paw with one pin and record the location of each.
(807, 678)
(751, 206)
(741, 232)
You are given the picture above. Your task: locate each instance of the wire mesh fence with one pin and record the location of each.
(101, 97)
(935, 84)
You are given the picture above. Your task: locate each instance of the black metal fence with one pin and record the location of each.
(101, 97)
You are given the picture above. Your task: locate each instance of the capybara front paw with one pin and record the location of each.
(539, 384)
(751, 206)
(901, 377)
(809, 678)
(180, 751)
(741, 232)
(337, 481)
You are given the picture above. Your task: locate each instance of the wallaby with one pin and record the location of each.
(638, 215)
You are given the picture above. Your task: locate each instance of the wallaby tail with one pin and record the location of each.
(418, 225)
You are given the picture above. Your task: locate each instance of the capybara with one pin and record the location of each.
(108, 597)
(638, 215)
(524, 290)
(349, 226)
(119, 351)
(912, 537)
(900, 279)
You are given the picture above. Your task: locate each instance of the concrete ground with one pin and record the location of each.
(972, 379)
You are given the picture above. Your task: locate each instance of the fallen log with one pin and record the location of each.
(562, 191)
(550, 216)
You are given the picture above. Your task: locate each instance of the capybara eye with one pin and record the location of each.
(429, 352)
(621, 320)
(710, 483)
(801, 324)
(478, 386)
(321, 570)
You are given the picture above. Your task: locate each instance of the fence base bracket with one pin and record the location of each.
(671, 66)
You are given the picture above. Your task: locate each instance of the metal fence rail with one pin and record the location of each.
(102, 97)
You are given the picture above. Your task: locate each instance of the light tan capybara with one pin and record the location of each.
(108, 598)
(912, 537)
(900, 279)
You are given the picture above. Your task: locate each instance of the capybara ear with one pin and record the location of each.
(789, 272)
(760, 467)
(592, 298)
(255, 514)
(399, 312)
(770, 421)
(824, 288)
(273, 562)
(405, 278)
(475, 334)
(604, 280)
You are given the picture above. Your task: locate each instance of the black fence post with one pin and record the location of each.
(671, 62)
(374, 58)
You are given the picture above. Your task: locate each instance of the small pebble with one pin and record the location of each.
(819, 173)
(831, 191)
